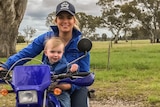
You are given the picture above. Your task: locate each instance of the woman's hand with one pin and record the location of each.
(64, 86)
(1, 68)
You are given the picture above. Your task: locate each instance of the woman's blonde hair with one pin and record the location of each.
(76, 25)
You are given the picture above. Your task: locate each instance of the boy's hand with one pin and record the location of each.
(74, 68)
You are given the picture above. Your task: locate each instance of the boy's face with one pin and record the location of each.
(54, 54)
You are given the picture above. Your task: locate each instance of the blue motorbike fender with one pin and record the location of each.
(53, 99)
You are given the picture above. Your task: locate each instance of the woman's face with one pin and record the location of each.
(65, 22)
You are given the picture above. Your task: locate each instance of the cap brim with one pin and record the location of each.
(65, 11)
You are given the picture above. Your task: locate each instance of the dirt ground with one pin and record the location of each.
(9, 101)
(114, 103)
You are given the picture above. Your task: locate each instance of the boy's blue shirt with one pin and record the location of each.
(37, 46)
(58, 67)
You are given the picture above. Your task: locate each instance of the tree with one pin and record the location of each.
(29, 32)
(146, 13)
(11, 15)
(50, 19)
(88, 23)
(123, 15)
(20, 38)
(104, 36)
(149, 17)
(113, 18)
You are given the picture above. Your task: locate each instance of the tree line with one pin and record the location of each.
(125, 19)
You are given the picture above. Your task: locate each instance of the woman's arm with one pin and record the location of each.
(30, 51)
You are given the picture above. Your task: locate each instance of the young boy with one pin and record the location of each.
(54, 49)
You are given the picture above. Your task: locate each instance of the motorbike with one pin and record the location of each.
(31, 83)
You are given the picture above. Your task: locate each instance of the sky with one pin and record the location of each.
(37, 11)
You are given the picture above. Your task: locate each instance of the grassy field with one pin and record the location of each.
(131, 73)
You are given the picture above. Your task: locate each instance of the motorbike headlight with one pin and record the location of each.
(28, 97)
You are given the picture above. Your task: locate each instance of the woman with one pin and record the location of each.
(67, 29)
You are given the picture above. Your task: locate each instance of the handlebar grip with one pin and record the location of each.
(60, 76)
(81, 74)
(3, 73)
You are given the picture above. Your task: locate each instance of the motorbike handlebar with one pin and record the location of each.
(70, 75)
(54, 77)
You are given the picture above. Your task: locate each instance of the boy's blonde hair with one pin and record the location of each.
(53, 42)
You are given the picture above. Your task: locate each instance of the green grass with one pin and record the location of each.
(132, 73)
